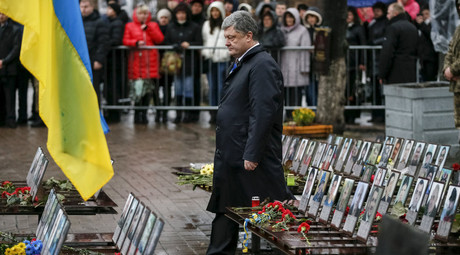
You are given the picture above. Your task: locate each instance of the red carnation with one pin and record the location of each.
(456, 166)
(304, 227)
(372, 178)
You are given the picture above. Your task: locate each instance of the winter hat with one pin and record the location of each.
(182, 7)
(315, 12)
(245, 7)
(116, 8)
(164, 13)
(197, 1)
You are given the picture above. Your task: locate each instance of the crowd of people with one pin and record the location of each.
(191, 23)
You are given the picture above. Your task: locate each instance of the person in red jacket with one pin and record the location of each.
(143, 64)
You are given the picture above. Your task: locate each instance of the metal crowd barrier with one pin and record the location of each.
(362, 86)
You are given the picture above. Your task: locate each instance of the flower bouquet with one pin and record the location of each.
(203, 178)
(26, 247)
(15, 195)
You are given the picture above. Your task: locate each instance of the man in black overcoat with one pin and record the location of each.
(247, 161)
(399, 50)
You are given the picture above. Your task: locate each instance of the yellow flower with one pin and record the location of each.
(22, 245)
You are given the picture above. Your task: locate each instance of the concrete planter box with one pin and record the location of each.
(423, 112)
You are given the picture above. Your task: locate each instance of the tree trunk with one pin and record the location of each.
(331, 88)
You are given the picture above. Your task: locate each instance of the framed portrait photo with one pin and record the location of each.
(352, 156)
(309, 184)
(448, 213)
(122, 219)
(346, 145)
(342, 203)
(308, 157)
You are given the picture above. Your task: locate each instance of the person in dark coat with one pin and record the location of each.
(196, 7)
(182, 33)
(355, 36)
(97, 38)
(114, 61)
(271, 37)
(428, 56)
(198, 17)
(10, 42)
(376, 36)
(399, 51)
(247, 161)
(166, 79)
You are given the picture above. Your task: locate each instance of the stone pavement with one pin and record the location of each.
(143, 158)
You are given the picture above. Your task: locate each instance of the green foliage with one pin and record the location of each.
(64, 185)
(398, 209)
(303, 116)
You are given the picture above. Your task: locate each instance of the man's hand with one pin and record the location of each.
(97, 65)
(448, 74)
(185, 45)
(250, 166)
(294, 203)
(1, 64)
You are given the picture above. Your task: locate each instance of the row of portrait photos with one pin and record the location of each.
(138, 229)
(354, 190)
(53, 226)
(37, 171)
(348, 155)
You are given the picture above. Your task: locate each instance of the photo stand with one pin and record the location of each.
(54, 226)
(300, 153)
(342, 203)
(416, 200)
(448, 213)
(355, 208)
(330, 198)
(309, 185)
(317, 199)
(308, 157)
(339, 163)
(431, 207)
(352, 156)
(389, 191)
(138, 229)
(369, 214)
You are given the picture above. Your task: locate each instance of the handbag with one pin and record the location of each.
(171, 63)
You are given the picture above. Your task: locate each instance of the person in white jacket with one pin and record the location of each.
(216, 59)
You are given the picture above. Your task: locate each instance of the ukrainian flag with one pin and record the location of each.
(54, 50)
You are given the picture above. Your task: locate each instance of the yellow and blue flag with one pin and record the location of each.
(54, 50)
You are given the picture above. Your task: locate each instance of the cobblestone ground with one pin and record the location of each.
(143, 158)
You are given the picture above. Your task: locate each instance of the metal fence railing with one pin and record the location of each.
(362, 91)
